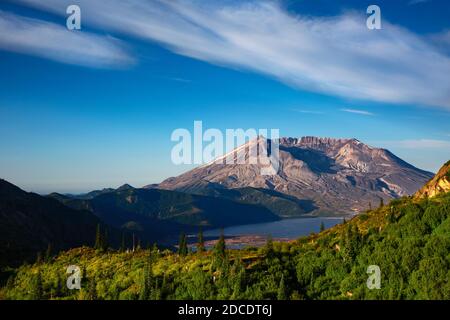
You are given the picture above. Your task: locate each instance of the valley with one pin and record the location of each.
(320, 180)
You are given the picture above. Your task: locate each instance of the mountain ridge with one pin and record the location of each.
(339, 175)
(30, 222)
(440, 183)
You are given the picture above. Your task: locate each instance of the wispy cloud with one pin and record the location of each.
(418, 144)
(55, 42)
(332, 55)
(361, 112)
(179, 79)
(307, 111)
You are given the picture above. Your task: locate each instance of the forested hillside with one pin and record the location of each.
(409, 239)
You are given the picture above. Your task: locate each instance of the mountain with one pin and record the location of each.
(330, 176)
(439, 184)
(408, 240)
(155, 214)
(30, 222)
(89, 195)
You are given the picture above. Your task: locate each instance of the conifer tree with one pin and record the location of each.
(201, 242)
(98, 238)
(39, 258)
(122, 244)
(48, 253)
(322, 226)
(104, 241)
(219, 248)
(269, 247)
(182, 249)
(58, 287)
(282, 290)
(145, 286)
(36, 286)
(92, 289)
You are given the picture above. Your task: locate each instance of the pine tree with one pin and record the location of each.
(84, 277)
(282, 290)
(122, 244)
(381, 202)
(104, 241)
(182, 249)
(138, 244)
(219, 248)
(58, 287)
(48, 253)
(201, 242)
(36, 286)
(155, 251)
(269, 247)
(145, 286)
(39, 258)
(63, 282)
(322, 226)
(239, 278)
(98, 238)
(92, 289)
(163, 286)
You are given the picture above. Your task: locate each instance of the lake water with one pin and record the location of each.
(287, 228)
(256, 234)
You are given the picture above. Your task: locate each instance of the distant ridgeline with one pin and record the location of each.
(408, 239)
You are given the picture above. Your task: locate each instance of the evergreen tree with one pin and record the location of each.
(104, 241)
(92, 289)
(182, 249)
(98, 238)
(58, 287)
(145, 286)
(155, 251)
(269, 251)
(122, 244)
(381, 202)
(39, 258)
(48, 253)
(63, 282)
(238, 279)
(84, 277)
(219, 248)
(36, 287)
(322, 226)
(201, 242)
(138, 244)
(282, 290)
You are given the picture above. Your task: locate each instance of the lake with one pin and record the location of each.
(287, 228)
(256, 234)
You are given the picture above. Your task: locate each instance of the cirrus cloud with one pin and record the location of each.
(332, 55)
(356, 111)
(55, 42)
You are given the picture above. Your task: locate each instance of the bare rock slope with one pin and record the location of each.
(332, 176)
(439, 184)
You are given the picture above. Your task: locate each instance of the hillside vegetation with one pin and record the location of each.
(409, 239)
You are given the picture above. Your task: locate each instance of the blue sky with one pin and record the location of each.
(95, 108)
